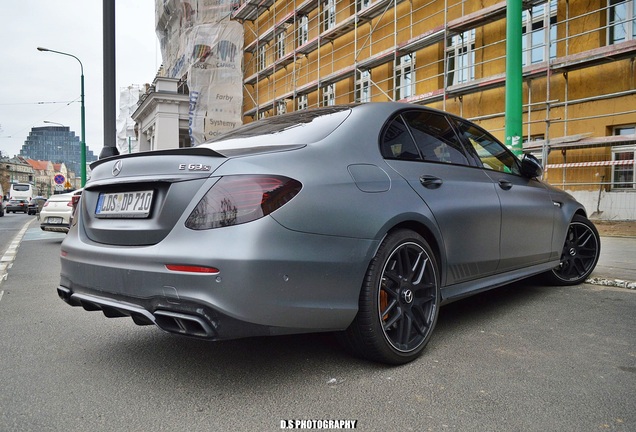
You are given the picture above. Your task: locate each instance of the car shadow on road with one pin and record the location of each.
(261, 362)
(472, 310)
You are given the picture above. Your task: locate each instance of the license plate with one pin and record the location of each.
(55, 220)
(135, 204)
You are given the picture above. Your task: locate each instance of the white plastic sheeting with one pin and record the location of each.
(126, 137)
(197, 37)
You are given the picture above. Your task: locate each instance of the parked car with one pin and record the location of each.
(360, 219)
(56, 212)
(17, 205)
(36, 204)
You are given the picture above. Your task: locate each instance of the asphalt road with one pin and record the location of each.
(525, 357)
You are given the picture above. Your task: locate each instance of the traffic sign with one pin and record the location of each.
(59, 179)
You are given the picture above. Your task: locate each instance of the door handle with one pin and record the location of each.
(505, 184)
(431, 182)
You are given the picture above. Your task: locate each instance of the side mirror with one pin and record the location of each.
(530, 166)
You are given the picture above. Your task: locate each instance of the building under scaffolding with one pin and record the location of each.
(579, 73)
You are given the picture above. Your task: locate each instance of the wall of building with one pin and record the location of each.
(577, 86)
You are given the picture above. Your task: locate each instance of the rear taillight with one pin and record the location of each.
(74, 201)
(239, 199)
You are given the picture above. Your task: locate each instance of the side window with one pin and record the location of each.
(435, 137)
(397, 143)
(492, 154)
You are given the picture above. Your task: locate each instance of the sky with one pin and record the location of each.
(43, 86)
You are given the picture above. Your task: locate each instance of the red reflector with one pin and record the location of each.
(192, 269)
(63, 253)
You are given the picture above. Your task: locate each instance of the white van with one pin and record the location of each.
(22, 191)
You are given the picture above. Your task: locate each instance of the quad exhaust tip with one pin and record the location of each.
(172, 322)
(184, 324)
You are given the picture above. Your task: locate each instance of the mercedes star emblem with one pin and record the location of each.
(117, 168)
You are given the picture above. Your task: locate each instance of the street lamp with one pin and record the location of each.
(50, 122)
(83, 120)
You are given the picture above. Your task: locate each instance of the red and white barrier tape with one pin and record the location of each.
(591, 164)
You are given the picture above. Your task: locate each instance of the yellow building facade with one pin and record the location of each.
(578, 70)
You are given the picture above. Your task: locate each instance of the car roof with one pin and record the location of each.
(61, 197)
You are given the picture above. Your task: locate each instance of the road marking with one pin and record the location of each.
(7, 259)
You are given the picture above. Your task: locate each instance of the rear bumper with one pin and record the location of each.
(187, 319)
(271, 280)
(55, 227)
(54, 221)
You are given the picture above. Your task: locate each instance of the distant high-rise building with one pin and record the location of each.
(56, 144)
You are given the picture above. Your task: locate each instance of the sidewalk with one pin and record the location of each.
(617, 264)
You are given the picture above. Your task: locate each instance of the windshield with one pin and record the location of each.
(297, 128)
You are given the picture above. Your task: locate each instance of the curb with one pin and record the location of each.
(612, 282)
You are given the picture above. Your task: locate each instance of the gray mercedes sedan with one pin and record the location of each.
(361, 220)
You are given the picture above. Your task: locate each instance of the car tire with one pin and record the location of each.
(580, 253)
(399, 302)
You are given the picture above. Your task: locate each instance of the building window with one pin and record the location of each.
(303, 30)
(621, 21)
(281, 107)
(363, 4)
(623, 158)
(262, 57)
(329, 95)
(280, 45)
(461, 58)
(363, 86)
(539, 33)
(301, 102)
(328, 14)
(404, 76)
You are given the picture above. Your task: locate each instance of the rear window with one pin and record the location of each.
(275, 133)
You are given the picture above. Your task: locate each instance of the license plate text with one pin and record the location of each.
(125, 204)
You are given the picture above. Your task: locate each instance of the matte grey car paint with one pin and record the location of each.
(301, 268)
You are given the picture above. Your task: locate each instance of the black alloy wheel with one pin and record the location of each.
(399, 301)
(580, 253)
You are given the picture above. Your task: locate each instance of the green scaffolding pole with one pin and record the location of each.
(514, 78)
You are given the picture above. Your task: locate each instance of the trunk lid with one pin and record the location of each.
(136, 200)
